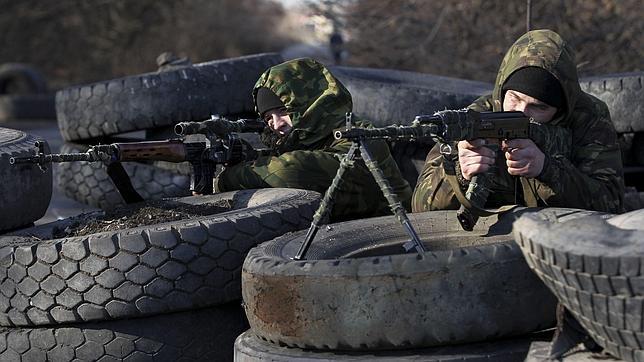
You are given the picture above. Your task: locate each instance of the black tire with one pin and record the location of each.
(593, 265)
(539, 352)
(160, 99)
(249, 348)
(358, 291)
(146, 270)
(89, 183)
(27, 106)
(623, 94)
(385, 96)
(25, 190)
(17, 78)
(197, 335)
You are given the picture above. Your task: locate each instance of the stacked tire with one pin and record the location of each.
(25, 190)
(624, 95)
(151, 102)
(594, 265)
(358, 296)
(24, 94)
(166, 292)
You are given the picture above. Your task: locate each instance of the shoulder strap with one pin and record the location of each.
(450, 176)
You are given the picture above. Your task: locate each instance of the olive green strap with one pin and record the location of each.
(529, 196)
(450, 176)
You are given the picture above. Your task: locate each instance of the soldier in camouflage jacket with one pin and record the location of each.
(538, 76)
(303, 103)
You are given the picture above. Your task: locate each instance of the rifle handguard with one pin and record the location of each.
(219, 126)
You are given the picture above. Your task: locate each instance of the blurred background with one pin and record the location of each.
(80, 41)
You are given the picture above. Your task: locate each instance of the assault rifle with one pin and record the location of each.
(447, 127)
(224, 147)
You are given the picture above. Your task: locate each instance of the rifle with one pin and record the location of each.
(446, 127)
(224, 147)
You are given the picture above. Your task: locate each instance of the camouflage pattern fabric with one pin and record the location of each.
(309, 157)
(585, 172)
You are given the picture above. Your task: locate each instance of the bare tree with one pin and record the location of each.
(76, 41)
(467, 38)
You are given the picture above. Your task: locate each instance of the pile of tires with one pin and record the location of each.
(151, 102)
(24, 94)
(594, 265)
(359, 296)
(168, 291)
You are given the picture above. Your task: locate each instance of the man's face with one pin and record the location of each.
(530, 106)
(278, 121)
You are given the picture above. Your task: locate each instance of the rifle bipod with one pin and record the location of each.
(327, 202)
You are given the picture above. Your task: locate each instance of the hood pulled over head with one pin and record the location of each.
(315, 100)
(543, 49)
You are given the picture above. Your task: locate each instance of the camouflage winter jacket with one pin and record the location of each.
(586, 175)
(309, 157)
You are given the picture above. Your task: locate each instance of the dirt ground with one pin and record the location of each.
(140, 214)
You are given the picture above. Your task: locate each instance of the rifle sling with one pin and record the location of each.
(122, 182)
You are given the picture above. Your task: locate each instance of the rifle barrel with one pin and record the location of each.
(390, 132)
(55, 157)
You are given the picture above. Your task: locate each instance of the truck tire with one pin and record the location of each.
(593, 265)
(250, 348)
(139, 102)
(89, 183)
(624, 96)
(197, 335)
(146, 270)
(25, 190)
(385, 96)
(357, 290)
(18, 78)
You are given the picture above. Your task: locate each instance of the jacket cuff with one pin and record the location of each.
(548, 171)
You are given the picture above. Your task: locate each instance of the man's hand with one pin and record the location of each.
(523, 157)
(474, 157)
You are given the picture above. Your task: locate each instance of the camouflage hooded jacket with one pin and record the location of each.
(309, 157)
(586, 175)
